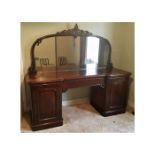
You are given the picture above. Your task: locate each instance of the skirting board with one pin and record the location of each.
(86, 100)
(76, 101)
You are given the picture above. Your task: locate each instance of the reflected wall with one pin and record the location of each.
(69, 52)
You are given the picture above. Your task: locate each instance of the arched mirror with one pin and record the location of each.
(72, 49)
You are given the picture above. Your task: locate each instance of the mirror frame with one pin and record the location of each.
(75, 32)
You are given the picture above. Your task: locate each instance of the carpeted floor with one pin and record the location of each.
(84, 118)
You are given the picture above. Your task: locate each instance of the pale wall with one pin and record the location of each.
(123, 46)
(121, 36)
(127, 57)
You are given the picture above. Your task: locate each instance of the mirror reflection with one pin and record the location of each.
(45, 53)
(92, 50)
(69, 52)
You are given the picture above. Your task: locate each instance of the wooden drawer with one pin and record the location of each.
(92, 81)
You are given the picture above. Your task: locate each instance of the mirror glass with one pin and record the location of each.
(69, 52)
(45, 53)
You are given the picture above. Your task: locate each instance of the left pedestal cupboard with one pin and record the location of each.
(46, 110)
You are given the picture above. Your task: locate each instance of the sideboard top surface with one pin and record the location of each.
(45, 76)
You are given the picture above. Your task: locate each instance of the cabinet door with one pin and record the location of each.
(46, 103)
(98, 97)
(116, 94)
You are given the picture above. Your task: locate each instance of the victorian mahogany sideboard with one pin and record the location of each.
(109, 92)
(69, 59)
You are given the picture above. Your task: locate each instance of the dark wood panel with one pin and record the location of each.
(116, 92)
(46, 105)
(98, 96)
(112, 99)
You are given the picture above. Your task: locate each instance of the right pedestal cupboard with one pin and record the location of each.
(112, 97)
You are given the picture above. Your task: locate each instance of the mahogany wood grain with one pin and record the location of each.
(112, 99)
(46, 105)
(108, 95)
